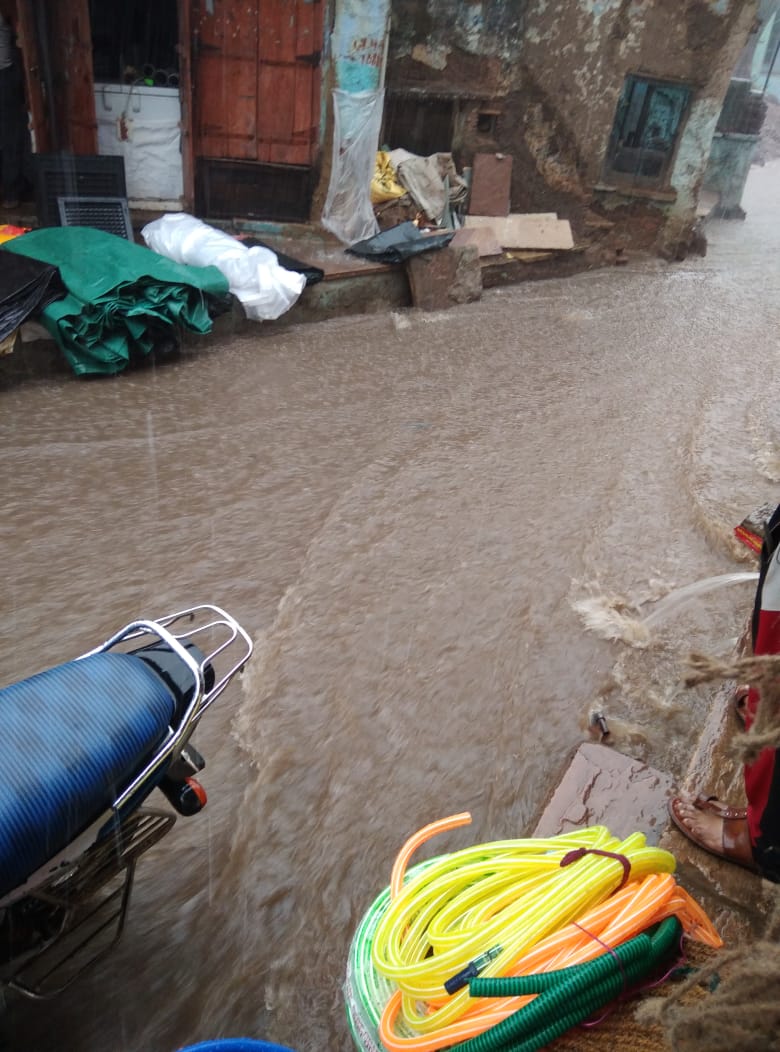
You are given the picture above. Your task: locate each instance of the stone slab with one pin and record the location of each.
(605, 787)
(527, 231)
(445, 277)
(491, 178)
(481, 236)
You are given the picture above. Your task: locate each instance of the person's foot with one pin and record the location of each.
(706, 826)
(715, 827)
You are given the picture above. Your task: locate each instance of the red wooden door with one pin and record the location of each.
(57, 47)
(256, 80)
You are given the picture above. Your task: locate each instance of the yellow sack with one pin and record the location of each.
(384, 186)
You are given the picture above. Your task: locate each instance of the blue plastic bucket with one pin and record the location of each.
(236, 1044)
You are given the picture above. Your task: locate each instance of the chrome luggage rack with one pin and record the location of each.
(204, 622)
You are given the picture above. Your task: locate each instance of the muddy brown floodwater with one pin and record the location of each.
(403, 510)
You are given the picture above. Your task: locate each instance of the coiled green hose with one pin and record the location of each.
(569, 996)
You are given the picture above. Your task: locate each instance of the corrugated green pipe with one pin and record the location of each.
(572, 995)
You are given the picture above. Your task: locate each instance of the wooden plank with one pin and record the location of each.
(34, 76)
(257, 80)
(227, 104)
(275, 103)
(481, 236)
(526, 231)
(303, 115)
(184, 11)
(491, 178)
(529, 215)
(71, 58)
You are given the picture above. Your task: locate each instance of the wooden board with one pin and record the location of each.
(491, 178)
(482, 237)
(527, 231)
(256, 80)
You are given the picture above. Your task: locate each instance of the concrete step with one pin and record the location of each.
(604, 787)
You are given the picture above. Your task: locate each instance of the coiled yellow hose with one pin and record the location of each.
(496, 903)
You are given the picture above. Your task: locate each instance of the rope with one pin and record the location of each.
(761, 672)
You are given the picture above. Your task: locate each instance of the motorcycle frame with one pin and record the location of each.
(66, 865)
(177, 737)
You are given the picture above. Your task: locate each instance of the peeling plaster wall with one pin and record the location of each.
(487, 28)
(554, 71)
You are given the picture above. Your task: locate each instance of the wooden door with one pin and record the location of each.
(256, 80)
(72, 108)
(36, 87)
(57, 47)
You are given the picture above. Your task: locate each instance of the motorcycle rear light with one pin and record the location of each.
(187, 797)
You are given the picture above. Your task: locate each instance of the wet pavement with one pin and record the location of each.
(404, 510)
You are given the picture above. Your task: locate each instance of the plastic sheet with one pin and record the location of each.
(122, 300)
(142, 124)
(400, 242)
(348, 212)
(264, 289)
(310, 272)
(26, 287)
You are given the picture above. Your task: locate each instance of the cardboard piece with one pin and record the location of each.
(481, 236)
(527, 231)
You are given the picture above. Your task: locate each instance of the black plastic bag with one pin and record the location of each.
(399, 243)
(310, 272)
(26, 287)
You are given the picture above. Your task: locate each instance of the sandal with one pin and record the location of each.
(717, 807)
(735, 837)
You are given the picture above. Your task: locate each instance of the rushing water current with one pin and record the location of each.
(407, 511)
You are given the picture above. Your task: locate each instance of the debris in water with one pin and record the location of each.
(599, 727)
(751, 530)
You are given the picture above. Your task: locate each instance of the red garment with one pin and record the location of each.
(762, 778)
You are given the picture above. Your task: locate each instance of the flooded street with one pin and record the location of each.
(406, 511)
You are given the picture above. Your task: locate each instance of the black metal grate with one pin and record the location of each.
(261, 191)
(74, 175)
(103, 213)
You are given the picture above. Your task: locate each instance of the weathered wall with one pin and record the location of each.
(727, 171)
(554, 70)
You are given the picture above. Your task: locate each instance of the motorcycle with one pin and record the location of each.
(83, 746)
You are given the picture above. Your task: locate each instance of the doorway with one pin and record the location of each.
(256, 71)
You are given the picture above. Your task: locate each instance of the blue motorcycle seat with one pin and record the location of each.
(71, 739)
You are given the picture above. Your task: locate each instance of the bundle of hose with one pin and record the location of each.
(566, 998)
(503, 897)
(625, 914)
(626, 911)
(366, 992)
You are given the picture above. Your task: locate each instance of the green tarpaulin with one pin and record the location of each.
(122, 298)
